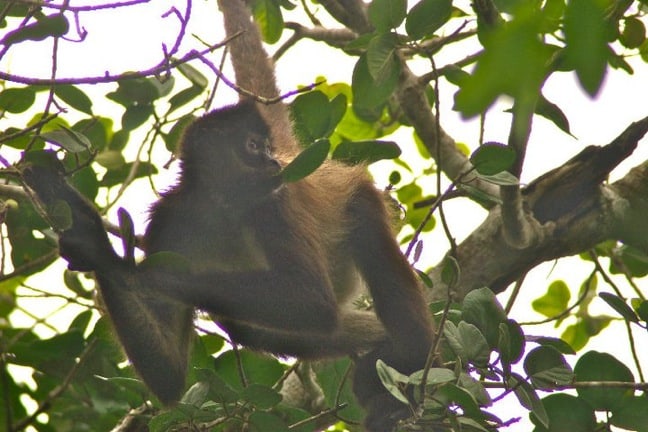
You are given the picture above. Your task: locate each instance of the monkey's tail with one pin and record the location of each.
(254, 70)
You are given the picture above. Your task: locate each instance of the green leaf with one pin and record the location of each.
(450, 393)
(553, 113)
(381, 58)
(554, 301)
(632, 414)
(263, 397)
(455, 75)
(387, 14)
(68, 139)
(98, 130)
(511, 342)
(634, 33)
(183, 97)
(391, 379)
(117, 176)
(426, 17)
(219, 389)
(578, 335)
(267, 14)
(366, 151)
(451, 272)
(46, 26)
(619, 305)
(566, 413)
(503, 178)
(307, 161)
(136, 91)
(467, 342)
(73, 283)
(493, 158)
(547, 368)
(514, 63)
(311, 113)
(634, 261)
(435, 377)
(586, 39)
(597, 366)
(135, 116)
(481, 308)
(258, 368)
(196, 395)
(642, 310)
(75, 97)
(475, 388)
(17, 100)
(528, 398)
(173, 139)
(553, 342)
(261, 421)
(193, 75)
(110, 159)
(370, 95)
(479, 195)
(120, 138)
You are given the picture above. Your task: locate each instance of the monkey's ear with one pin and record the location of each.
(83, 241)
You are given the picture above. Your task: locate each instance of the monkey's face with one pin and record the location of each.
(255, 153)
(229, 153)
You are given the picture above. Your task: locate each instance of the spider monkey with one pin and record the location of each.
(278, 265)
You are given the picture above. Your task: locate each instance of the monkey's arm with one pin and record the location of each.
(395, 289)
(399, 304)
(83, 242)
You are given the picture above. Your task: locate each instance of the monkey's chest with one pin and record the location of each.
(235, 249)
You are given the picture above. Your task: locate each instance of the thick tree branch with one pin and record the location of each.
(577, 209)
(520, 228)
(631, 207)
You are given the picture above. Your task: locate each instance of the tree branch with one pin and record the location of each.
(583, 212)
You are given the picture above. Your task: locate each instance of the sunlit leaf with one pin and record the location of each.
(554, 301)
(514, 63)
(586, 38)
(268, 16)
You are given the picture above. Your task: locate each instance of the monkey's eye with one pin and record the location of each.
(254, 145)
(258, 145)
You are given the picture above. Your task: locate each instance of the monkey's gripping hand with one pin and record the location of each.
(83, 241)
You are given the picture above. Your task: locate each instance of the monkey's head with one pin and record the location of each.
(229, 152)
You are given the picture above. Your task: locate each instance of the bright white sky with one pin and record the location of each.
(130, 39)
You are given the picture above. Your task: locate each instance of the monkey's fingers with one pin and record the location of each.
(83, 241)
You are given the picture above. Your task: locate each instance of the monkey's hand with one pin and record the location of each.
(83, 241)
